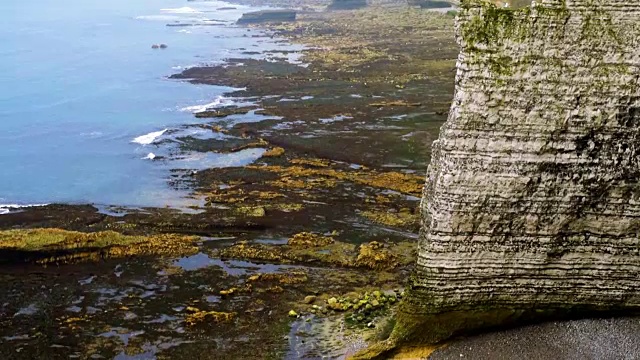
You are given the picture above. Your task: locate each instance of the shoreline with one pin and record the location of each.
(304, 252)
(322, 226)
(158, 108)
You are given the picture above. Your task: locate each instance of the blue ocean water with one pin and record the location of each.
(79, 81)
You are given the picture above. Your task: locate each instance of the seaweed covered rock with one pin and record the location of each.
(49, 245)
(306, 240)
(374, 255)
(532, 203)
(201, 317)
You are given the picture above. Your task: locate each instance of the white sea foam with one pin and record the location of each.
(220, 100)
(182, 10)
(185, 67)
(199, 161)
(150, 156)
(335, 118)
(198, 133)
(149, 138)
(158, 17)
(7, 208)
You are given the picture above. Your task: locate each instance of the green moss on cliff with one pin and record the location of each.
(487, 24)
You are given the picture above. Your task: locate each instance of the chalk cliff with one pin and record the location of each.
(532, 201)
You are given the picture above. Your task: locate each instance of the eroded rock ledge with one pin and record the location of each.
(532, 201)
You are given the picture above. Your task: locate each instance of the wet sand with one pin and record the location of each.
(594, 339)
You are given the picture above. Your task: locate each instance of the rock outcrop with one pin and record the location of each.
(532, 203)
(263, 16)
(430, 4)
(347, 4)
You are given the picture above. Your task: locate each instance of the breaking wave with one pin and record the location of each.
(182, 10)
(220, 100)
(7, 208)
(149, 138)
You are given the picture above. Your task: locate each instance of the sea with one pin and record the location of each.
(85, 102)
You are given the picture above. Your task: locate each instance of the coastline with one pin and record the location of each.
(321, 225)
(304, 252)
(73, 143)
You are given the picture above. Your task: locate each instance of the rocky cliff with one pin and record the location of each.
(532, 202)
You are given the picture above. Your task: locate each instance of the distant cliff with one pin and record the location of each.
(263, 16)
(347, 4)
(532, 201)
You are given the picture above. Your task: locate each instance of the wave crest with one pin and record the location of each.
(149, 138)
(7, 208)
(158, 17)
(220, 100)
(182, 10)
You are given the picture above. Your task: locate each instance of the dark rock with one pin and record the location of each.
(267, 16)
(430, 4)
(224, 112)
(347, 4)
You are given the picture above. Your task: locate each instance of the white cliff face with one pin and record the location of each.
(532, 199)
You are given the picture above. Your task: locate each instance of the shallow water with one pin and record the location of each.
(231, 267)
(80, 82)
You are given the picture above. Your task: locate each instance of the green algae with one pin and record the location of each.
(402, 218)
(56, 245)
(44, 239)
(373, 255)
(274, 152)
(292, 176)
(202, 317)
(308, 240)
(492, 25)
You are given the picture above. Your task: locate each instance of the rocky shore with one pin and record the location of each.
(304, 252)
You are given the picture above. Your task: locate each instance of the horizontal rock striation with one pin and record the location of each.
(532, 201)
